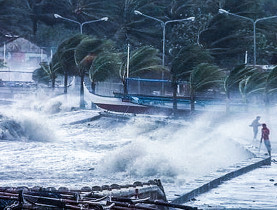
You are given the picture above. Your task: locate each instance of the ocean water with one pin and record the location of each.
(40, 145)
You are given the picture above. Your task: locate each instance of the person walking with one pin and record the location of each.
(255, 124)
(265, 137)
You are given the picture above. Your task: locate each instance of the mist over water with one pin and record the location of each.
(175, 151)
(41, 147)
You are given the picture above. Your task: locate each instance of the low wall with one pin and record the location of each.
(258, 162)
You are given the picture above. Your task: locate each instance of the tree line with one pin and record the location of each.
(206, 52)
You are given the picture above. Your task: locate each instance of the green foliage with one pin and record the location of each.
(50, 69)
(271, 82)
(142, 60)
(104, 66)
(2, 65)
(204, 76)
(95, 57)
(235, 76)
(65, 54)
(40, 76)
(228, 37)
(91, 46)
(187, 58)
(253, 84)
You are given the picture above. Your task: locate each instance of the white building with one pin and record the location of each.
(21, 58)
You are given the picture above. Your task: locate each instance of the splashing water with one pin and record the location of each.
(49, 150)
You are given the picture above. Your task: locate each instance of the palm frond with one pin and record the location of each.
(237, 74)
(204, 76)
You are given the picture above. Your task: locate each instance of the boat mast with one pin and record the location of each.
(128, 60)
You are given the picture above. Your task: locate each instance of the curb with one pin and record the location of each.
(214, 183)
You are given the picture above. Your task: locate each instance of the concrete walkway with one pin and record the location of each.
(254, 190)
(249, 188)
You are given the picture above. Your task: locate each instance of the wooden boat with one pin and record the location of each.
(152, 105)
(128, 105)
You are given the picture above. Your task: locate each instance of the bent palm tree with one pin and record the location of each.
(103, 67)
(203, 77)
(2, 65)
(65, 57)
(232, 80)
(51, 71)
(271, 85)
(187, 58)
(254, 84)
(142, 60)
(84, 55)
(40, 76)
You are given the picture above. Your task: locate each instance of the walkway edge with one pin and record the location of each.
(214, 183)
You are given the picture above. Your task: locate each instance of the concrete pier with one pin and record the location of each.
(229, 188)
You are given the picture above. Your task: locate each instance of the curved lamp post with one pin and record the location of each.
(222, 11)
(163, 24)
(83, 23)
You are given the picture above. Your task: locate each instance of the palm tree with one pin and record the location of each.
(64, 57)
(253, 84)
(104, 66)
(232, 80)
(84, 55)
(142, 60)
(187, 58)
(2, 65)
(51, 71)
(271, 85)
(40, 76)
(203, 77)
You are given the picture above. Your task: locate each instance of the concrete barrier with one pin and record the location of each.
(215, 182)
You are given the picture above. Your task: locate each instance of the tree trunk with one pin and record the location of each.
(174, 86)
(245, 103)
(82, 97)
(93, 85)
(192, 100)
(53, 82)
(266, 101)
(65, 82)
(228, 102)
(125, 88)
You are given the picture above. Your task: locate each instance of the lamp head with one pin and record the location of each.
(57, 16)
(11, 36)
(191, 18)
(105, 19)
(137, 12)
(222, 11)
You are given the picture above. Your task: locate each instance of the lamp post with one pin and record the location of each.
(222, 11)
(4, 54)
(83, 23)
(163, 24)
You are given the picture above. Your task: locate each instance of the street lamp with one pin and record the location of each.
(222, 11)
(83, 23)
(163, 24)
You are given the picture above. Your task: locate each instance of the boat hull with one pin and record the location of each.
(126, 107)
(121, 105)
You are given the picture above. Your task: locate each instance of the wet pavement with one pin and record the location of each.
(256, 189)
